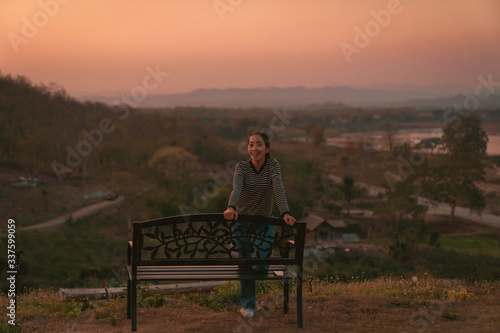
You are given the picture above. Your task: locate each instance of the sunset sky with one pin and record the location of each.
(106, 46)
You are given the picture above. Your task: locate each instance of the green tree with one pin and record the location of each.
(45, 194)
(174, 161)
(347, 189)
(465, 137)
(404, 216)
(452, 178)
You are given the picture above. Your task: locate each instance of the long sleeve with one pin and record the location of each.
(253, 190)
(237, 186)
(279, 190)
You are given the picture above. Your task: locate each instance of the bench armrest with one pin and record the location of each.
(129, 252)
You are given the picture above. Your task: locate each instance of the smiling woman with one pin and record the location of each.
(258, 150)
(255, 182)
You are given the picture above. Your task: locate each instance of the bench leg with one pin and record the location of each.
(128, 298)
(286, 291)
(299, 298)
(133, 304)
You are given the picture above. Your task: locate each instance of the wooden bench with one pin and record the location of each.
(202, 247)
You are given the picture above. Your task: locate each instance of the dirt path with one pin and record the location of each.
(444, 209)
(439, 208)
(82, 212)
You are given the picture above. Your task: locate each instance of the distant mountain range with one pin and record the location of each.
(382, 95)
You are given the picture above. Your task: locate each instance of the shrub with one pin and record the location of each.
(146, 300)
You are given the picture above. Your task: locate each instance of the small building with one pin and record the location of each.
(323, 230)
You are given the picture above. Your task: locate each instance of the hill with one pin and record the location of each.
(332, 97)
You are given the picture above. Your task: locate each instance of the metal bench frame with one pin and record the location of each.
(174, 256)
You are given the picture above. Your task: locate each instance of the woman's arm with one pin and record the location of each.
(280, 194)
(230, 213)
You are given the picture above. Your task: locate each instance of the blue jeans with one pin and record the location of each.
(252, 241)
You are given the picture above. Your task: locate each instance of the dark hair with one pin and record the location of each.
(264, 137)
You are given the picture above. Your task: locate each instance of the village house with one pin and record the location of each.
(320, 229)
(326, 235)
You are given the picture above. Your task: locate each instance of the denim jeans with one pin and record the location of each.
(252, 241)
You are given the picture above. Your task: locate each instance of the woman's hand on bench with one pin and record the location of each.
(230, 214)
(289, 219)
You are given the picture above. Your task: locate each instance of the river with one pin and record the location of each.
(378, 140)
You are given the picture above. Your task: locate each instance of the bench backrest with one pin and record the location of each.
(209, 239)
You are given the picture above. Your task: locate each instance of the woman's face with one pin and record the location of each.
(257, 148)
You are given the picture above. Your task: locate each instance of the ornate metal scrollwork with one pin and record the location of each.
(218, 239)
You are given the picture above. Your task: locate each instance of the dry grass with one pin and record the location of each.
(382, 305)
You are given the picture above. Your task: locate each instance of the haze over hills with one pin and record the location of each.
(381, 95)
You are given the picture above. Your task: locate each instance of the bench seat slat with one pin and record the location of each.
(212, 273)
(217, 262)
(211, 277)
(203, 268)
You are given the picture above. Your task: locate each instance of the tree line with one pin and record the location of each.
(165, 153)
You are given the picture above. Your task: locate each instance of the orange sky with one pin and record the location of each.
(105, 46)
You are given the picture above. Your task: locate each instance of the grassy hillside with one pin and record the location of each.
(381, 305)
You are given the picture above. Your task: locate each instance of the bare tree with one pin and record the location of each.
(390, 132)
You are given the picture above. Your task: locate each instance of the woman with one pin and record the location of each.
(255, 182)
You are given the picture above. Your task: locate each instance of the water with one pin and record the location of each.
(378, 140)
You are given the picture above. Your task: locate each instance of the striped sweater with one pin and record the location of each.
(253, 190)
